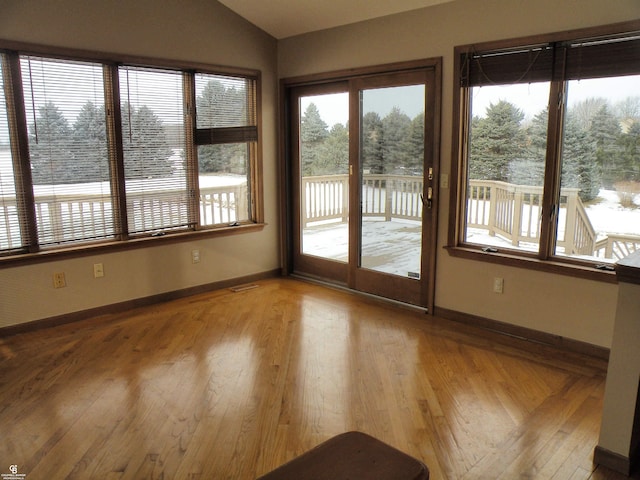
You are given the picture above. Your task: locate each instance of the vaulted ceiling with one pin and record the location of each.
(285, 18)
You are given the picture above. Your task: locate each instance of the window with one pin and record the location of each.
(12, 217)
(153, 144)
(226, 136)
(95, 153)
(68, 150)
(548, 149)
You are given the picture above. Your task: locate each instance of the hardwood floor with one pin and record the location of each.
(233, 384)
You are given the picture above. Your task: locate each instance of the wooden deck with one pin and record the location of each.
(233, 384)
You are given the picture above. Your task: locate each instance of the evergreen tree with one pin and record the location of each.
(529, 170)
(223, 158)
(146, 150)
(415, 145)
(605, 131)
(313, 132)
(90, 143)
(50, 148)
(372, 142)
(629, 142)
(496, 141)
(396, 126)
(221, 106)
(334, 152)
(579, 166)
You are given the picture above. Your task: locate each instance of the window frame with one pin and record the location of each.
(31, 253)
(545, 258)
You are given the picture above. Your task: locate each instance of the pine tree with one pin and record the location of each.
(223, 158)
(629, 142)
(50, 147)
(579, 166)
(605, 131)
(221, 106)
(334, 152)
(146, 150)
(90, 144)
(529, 170)
(313, 132)
(415, 145)
(496, 141)
(396, 127)
(371, 148)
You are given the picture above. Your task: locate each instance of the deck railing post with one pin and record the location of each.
(570, 223)
(493, 204)
(516, 228)
(389, 186)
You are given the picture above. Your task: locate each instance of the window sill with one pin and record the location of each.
(84, 250)
(579, 270)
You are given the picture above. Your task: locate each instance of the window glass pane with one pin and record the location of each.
(154, 149)
(324, 175)
(392, 179)
(599, 214)
(224, 101)
(10, 233)
(64, 103)
(224, 167)
(507, 147)
(223, 179)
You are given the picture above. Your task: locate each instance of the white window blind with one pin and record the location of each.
(224, 101)
(153, 140)
(64, 106)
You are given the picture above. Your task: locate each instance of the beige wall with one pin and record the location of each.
(577, 309)
(194, 30)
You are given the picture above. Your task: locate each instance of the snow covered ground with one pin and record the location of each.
(391, 247)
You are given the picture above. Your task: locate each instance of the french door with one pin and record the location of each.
(362, 176)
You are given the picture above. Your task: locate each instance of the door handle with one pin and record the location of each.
(429, 202)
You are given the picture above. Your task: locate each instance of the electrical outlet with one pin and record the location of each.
(195, 256)
(58, 280)
(498, 285)
(98, 270)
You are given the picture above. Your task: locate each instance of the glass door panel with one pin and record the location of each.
(362, 192)
(324, 176)
(392, 179)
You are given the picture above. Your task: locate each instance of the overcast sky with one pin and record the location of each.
(334, 108)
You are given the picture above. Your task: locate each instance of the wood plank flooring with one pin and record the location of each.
(229, 385)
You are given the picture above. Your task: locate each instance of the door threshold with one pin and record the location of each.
(345, 288)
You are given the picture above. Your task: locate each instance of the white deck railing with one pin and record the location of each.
(325, 197)
(510, 211)
(70, 217)
(513, 212)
